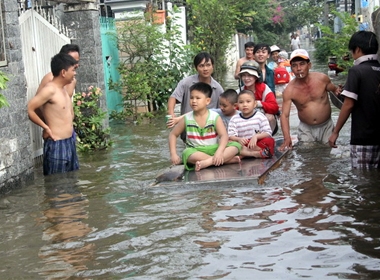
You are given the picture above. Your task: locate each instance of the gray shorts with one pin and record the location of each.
(315, 133)
(365, 157)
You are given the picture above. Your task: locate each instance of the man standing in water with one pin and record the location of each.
(59, 146)
(308, 92)
(204, 64)
(72, 50)
(362, 101)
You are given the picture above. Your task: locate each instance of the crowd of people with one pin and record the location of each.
(223, 126)
(244, 121)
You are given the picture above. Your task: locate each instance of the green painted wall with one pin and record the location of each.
(110, 62)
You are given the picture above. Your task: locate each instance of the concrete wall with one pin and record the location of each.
(16, 163)
(84, 20)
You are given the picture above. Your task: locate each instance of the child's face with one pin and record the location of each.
(198, 100)
(247, 104)
(227, 108)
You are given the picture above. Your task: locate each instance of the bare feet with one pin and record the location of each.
(198, 166)
(235, 159)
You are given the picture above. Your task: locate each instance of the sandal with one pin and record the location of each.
(265, 153)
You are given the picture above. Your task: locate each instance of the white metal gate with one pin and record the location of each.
(41, 40)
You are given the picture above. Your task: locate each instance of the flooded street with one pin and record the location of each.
(313, 218)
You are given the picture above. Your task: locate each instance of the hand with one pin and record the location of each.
(175, 159)
(172, 122)
(46, 134)
(332, 140)
(243, 141)
(218, 159)
(253, 142)
(338, 90)
(286, 145)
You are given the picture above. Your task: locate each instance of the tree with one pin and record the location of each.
(154, 62)
(212, 24)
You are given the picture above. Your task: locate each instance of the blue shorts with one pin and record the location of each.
(60, 156)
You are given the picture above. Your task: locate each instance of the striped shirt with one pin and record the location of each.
(240, 126)
(198, 136)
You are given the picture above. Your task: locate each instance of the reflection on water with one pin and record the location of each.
(64, 226)
(314, 217)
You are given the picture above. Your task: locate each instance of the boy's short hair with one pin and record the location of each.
(249, 92)
(230, 95)
(261, 46)
(206, 89)
(365, 40)
(203, 55)
(68, 48)
(249, 45)
(61, 61)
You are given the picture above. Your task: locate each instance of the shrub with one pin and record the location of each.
(3, 85)
(336, 44)
(88, 121)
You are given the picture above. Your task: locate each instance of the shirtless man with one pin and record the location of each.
(69, 49)
(248, 47)
(59, 146)
(308, 92)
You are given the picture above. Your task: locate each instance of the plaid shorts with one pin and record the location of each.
(60, 156)
(365, 157)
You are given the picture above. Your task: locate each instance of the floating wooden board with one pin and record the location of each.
(248, 170)
(336, 100)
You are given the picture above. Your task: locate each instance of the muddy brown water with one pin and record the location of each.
(313, 218)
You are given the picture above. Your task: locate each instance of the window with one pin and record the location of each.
(3, 60)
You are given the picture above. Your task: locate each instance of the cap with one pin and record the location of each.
(283, 54)
(250, 72)
(274, 48)
(299, 53)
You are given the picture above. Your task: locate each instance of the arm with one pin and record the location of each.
(223, 140)
(269, 104)
(345, 112)
(265, 131)
(35, 103)
(46, 79)
(177, 130)
(337, 90)
(284, 119)
(237, 70)
(233, 134)
(171, 104)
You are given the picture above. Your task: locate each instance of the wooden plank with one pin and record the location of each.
(248, 170)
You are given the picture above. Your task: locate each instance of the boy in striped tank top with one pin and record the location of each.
(207, 139)
(251, 128)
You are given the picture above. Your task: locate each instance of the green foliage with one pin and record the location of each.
(336, 44)
(212, 24)
(88, 121)
(154, 62)
(3, 85)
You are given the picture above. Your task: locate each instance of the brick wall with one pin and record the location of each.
(16, 163)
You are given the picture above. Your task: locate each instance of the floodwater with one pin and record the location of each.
(313, 218)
